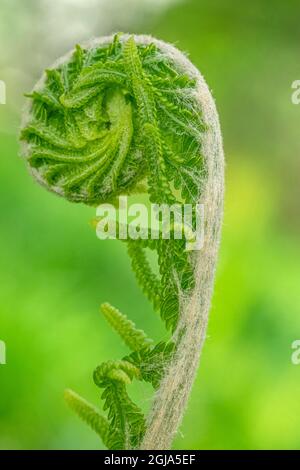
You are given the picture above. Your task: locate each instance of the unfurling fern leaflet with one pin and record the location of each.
(123, 116)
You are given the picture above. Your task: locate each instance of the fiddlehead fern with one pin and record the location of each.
(120, 115)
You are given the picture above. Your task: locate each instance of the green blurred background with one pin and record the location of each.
(55, 272)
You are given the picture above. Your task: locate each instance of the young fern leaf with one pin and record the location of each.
(144, 274)
(133, 338)
(151, 362)
(127, 423)
(126, 115)
(89, 414)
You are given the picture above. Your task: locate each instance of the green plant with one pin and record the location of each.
(129, 114)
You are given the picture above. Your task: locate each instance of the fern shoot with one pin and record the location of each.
(129, 114)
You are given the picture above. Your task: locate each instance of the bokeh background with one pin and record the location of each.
(54, 271)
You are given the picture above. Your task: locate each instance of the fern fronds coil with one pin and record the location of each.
(121, 115)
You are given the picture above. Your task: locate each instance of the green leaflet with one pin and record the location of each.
(89, 414)
(120, 118)
(148, 281)
(133, 338)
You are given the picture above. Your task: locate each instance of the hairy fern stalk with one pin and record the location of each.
(126, 114)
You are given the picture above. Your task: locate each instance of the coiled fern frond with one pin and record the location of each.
(128, 114)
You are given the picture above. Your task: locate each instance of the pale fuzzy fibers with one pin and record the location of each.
(171, 399)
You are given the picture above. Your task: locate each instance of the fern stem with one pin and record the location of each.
(172, 396)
